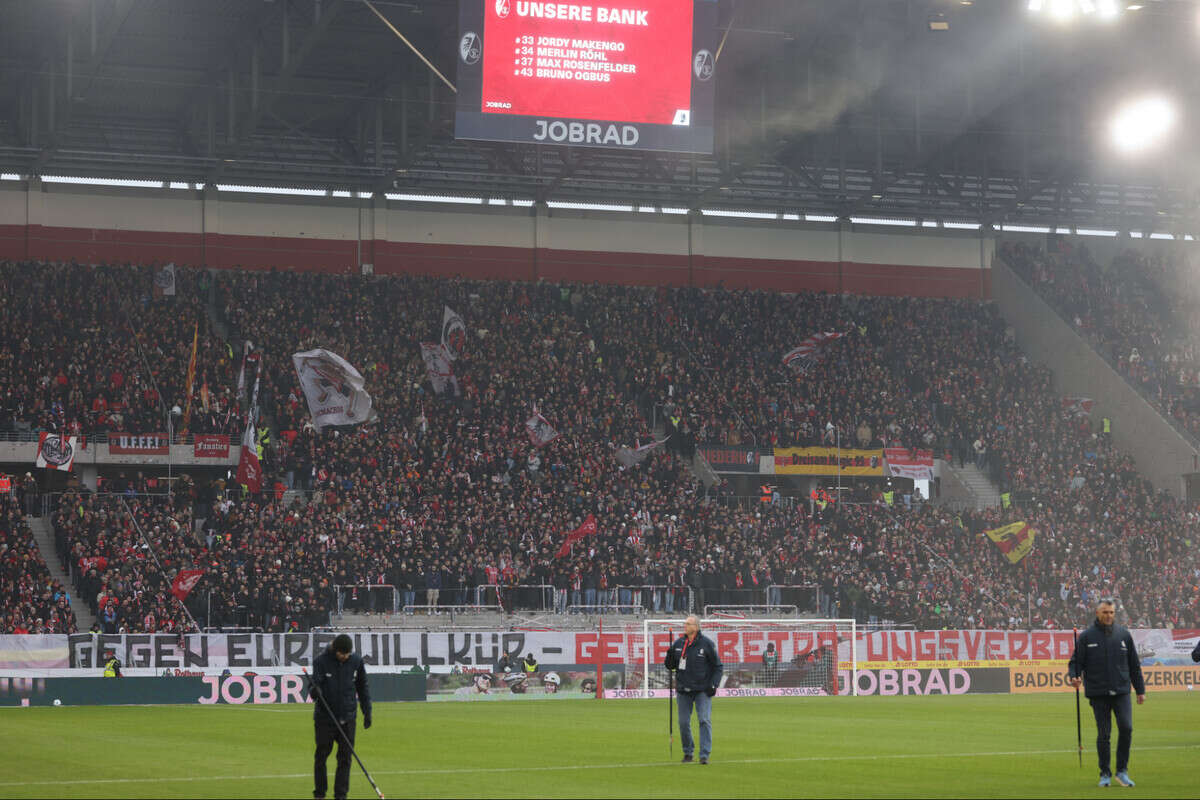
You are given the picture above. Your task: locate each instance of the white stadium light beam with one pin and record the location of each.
(1142, 124)
(1062, 10)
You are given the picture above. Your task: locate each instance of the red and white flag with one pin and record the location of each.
(249, 471)
(631, 457)
(901, 462)
(57, 452)
(454, 334)
(185, 581)
(437, 366)
(333, 388)
(1078, 406)
(541, 433)
(811, 349)
(588, 528)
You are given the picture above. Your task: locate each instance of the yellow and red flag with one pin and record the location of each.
(1015, 540)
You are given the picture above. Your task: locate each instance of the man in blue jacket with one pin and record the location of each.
(1108, 663)
(698, 670)
(340, 677)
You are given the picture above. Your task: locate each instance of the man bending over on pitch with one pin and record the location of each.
(697, 667)
(1108, 663)
(340, 677)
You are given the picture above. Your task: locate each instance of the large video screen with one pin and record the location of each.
(635, 74)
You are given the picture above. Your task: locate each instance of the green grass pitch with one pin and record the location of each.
(965, 746)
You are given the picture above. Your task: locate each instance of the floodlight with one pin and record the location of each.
(1062, 10)
(1142, 124)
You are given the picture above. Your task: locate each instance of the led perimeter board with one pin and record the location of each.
(632, 74)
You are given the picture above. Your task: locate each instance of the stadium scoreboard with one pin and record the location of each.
(632, 74)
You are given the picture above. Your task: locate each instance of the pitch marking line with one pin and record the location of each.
(577, 767)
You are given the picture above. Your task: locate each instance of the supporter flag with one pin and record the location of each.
(164, 281)
(249, 472)
(191, 378)
(588, 528)
(1015, 540)
(541, 433)
(804, 354)
(184, 582)
(437, 366)
(454, 334)
(333, 388)
(57, 452)
(1078, 406)
(631, 457)
(241, 387)
(904, 463)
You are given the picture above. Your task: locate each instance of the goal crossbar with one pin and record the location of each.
(849, 627)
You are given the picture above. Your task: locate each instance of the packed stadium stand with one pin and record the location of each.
(98, 351)
(445, 494)
(31, 601)
(1139, 311)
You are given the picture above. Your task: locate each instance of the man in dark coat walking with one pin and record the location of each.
(1107, 661)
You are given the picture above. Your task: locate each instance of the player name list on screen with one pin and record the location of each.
(632, 74)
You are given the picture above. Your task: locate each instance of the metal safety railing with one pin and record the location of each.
(374, 594)
(657, 598)
(740, 612)
(804, 597)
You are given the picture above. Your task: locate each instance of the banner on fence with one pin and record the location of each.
(826, 461)
(210, 446)
(447, 649)
(145, 444)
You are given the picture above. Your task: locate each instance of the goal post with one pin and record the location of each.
(762, 657)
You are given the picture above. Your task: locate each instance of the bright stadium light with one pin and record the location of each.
(1062, 10)
(1068, 10)
(1142, 124)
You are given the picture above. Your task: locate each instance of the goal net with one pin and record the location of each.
(762, 657)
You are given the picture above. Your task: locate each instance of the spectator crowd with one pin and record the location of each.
(1141, 313)
(446, 494)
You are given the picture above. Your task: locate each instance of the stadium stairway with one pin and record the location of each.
(1167, 456)
(984, 492)
(700, 468)
(44, 536)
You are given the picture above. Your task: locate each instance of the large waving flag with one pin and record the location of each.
(1015, 540)
(632, 456)
(588, 528)
(437, 366)
(454, 334)
(249, 472)
(333, 388)
(191, 378)
(811, 349)
(164, 281)
(541, 433)
(185, 581)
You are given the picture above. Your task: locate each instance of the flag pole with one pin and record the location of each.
(1079, 729)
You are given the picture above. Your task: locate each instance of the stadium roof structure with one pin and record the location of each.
(826, 107)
